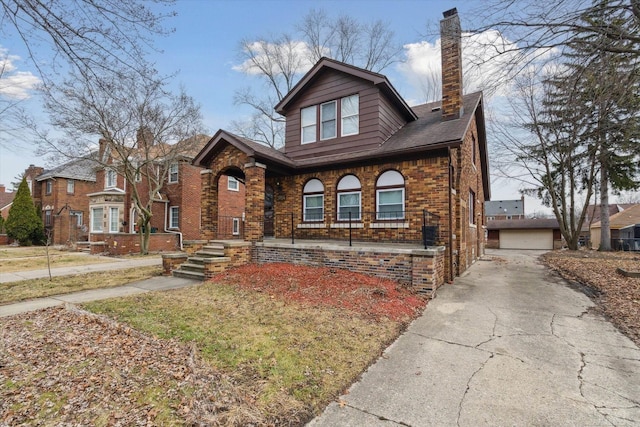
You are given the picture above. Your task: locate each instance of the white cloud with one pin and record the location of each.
(275, 56)
(483, 68)
(15, 84)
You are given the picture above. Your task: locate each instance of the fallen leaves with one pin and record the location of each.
(327, 287)
(619, 296)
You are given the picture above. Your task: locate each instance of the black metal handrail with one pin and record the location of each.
(402, 226)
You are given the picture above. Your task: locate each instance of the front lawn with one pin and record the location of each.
(259, 345)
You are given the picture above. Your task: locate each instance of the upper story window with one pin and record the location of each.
(232, 184)
(48, 186)
(349, 198)
(308, 120)
(71, 185)
(390, 195)
(111, 178)
(328, 120)
(347, 109)
(313, 200)
(350, 115)
(173, 172)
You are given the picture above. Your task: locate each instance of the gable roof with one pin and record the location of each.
(622, 219)
(324, 64)
(80, 169)
(251, 148)
(6, 198)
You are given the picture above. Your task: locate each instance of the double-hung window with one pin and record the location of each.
(48, 186)
(472, 207)
(97, 218)
(236, 227)
(173, 172)
(350, 115)
(308, 118)
(328, 120)
(114, 220)
(111, 179)
(349, 198)
(313, 200)
(390, 196)
(47, 218)
(71, 186)
(78, 215)
(174, 217)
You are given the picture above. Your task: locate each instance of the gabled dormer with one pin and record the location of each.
(338, 108)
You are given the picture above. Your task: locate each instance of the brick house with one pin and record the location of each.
(176, 208)
(60, 194)
(6, 200)
(359, 163)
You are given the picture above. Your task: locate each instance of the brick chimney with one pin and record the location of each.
(144, 138)
(451, 45)
(3, 189)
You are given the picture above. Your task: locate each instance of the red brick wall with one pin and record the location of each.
(124, 243)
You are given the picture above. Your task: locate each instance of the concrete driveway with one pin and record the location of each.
(508, 344)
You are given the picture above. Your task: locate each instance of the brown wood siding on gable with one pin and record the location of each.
(378, 120)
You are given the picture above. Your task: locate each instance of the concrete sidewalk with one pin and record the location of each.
(509, 344)
(115, 264)
(158, 283)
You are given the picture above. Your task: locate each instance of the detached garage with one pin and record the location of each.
(524, 234)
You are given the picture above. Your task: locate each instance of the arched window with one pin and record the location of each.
(313, 200)
(349, 198)
(390, 195)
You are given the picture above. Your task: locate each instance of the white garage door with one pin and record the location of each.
(526, 239)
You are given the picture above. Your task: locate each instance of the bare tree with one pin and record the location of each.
(542, 146)
(87, 35)
(278, 62)
(143, 129)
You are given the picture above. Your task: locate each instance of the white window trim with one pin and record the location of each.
(78, 215)
(335, 120)
(108, 174)
(93, 220)
(357, 114)
(378, 204)
(304, 208)
(171, 210)
(235, 230)
(71, 183)
(117, 222)
(171, 173)
(313, 108)
(344, 193)
(231, 179)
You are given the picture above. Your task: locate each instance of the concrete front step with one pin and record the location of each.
(188, 274)
(199, 268)
(210, 252)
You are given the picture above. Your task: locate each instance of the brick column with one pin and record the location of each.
(254, 201)
(208, 205)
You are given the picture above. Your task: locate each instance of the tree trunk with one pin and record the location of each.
(145, 232)
(605, 229)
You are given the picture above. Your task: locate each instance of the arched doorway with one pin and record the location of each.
(231, 204)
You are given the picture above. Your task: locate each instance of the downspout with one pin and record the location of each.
(166, 229)
(450, 219)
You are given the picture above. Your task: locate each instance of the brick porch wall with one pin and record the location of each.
(421, 269)
(125, 244)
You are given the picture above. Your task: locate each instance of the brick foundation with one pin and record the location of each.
(125, 244)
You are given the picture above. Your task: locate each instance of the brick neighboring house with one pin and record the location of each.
(359, 162)
(6, 200)
(60, 194)
(176, 208)
(504, 209)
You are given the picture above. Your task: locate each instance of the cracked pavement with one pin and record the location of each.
(509, 343)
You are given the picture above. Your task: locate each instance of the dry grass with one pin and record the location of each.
(28, 289)
(293, 359)
(35, 258)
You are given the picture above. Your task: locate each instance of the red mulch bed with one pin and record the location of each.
(327, 287)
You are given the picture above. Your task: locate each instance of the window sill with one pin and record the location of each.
(313, 225)
(347, 225)
(391, 224)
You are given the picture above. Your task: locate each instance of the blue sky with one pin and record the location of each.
(204, 49)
